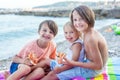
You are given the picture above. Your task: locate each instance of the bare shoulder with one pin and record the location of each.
(96, 36)
(101, 38)
(76, 45)
(91, 37)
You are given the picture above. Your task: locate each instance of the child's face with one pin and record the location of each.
(45, 33)
(79, 22)
(70, 34)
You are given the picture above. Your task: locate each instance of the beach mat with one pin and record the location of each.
(2, 76)
(112, 71)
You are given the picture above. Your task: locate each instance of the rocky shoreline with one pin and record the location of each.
(62, 9)
(99, 13)
(112, 41)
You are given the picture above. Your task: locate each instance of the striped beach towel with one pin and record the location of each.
(112, 71)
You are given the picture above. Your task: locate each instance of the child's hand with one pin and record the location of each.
(67, 62)
(60, 57)
(56, 70)
(27, 62)
(33, 58)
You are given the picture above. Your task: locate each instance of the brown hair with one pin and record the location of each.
(51, 24)
(86, 13)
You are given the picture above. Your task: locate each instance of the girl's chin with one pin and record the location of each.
(80, 29)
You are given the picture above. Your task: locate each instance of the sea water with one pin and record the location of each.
(18, 30)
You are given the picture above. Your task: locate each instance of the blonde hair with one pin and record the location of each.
(72, 26)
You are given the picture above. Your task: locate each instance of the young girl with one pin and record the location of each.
(75, 48)
(96, 50)
(34, 52)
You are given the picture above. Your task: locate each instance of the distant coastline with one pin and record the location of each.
(63, 9)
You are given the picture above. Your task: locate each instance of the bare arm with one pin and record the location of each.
(76, 52)
(96, 62)
(18, 59)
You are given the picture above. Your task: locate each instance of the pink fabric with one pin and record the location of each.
(78, 78)
(2, 76)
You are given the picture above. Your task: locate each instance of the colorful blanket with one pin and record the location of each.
(112, 71)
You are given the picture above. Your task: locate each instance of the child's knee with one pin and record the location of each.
(25, 68)
(51, 73)
(39, 71)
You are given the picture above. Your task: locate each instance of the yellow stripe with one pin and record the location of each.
(99, 77)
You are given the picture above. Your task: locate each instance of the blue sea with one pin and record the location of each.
(17, 30)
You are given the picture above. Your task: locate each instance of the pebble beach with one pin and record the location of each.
(112, 39)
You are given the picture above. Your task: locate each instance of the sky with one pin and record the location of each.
(31, 3)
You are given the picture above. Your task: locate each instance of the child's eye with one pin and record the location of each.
(71, 32)
(74, 19)
(51, 32)
(65, 32)
(80, 19)
(45, 30)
